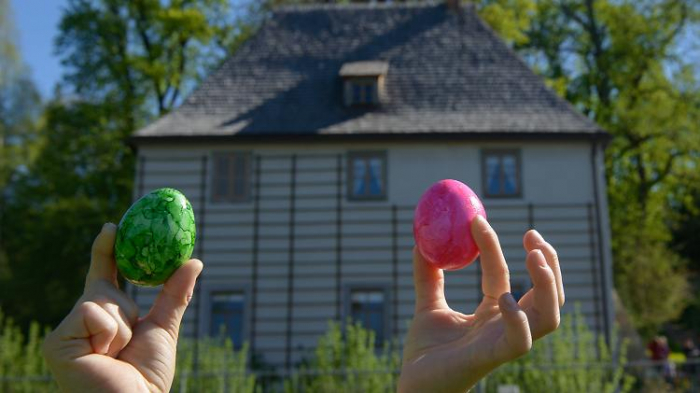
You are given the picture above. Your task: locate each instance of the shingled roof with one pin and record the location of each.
(448, 74)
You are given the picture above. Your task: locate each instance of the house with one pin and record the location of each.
(305, 153)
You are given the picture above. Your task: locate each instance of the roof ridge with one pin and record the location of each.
(354, 6)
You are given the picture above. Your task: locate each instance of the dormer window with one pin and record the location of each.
(363, 82)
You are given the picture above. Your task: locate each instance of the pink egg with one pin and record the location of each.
(442, 224)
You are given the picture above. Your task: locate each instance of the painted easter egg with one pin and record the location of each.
(442, 224)
(155, 237)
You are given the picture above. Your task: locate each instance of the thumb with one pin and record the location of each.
(517, 339)
(172, 301)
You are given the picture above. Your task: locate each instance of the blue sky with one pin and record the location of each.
(37, 24)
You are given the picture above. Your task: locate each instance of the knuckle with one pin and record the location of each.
(88, 307)
(551, 324)
(521, 348)
(488, 235)
(552, 252)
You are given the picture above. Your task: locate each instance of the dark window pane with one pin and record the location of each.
(240, 177)
(227, 313)
(221, 175)
(369, 98)
(356, 93)
(368, 176)
(510, 179)
(359, 170)
(493, 175)
(367, 308)
(375, 177)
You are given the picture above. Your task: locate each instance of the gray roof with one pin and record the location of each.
(448, 74)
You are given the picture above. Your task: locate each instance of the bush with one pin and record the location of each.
(569, 360)
(212, 365)
(22, 367)
(347, 362)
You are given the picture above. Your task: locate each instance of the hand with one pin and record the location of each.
(103, 345)
(447, 351)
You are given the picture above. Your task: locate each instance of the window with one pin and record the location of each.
(363, 82)
(369, 308)
(501, 173)
(363, 92)
(367, 176)
(227, 316)
(231, 177)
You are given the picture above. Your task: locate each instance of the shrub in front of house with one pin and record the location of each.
(572, 360)
(212, 365)
(22, 367)
(347, 359)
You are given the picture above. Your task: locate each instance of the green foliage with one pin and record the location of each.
(618, 63)
(144, 54)
(80, 179)
(572, 359)
(126, 62)
(19, 103)
(19, 118)
(346, 360)
(218, 368)
(22, 367)
(509, 18)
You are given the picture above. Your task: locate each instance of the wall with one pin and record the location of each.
(300, 245)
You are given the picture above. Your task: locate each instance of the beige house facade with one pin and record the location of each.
(304, 178)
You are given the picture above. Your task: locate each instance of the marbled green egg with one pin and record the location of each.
(155, 237)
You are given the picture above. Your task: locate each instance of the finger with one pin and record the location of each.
(102, 265)
(89, 321)
(109, 294)
(533, 240)
(495, 276)
(171, 303)
(543, 311)
(124, 332)
(516, 340)
(429, 283)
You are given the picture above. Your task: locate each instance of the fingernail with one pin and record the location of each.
(189, 298)
(538, 235)
(541, 261)
(482, 221)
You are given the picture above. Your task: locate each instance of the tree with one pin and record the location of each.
(144, 54)
(127, 62)
(618, 63)
(19, 102)
(19, 115)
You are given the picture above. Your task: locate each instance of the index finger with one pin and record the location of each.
(495, 279)
(102, 265)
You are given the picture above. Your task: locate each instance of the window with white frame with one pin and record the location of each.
(367, 175)
(227, 316)
(501, 172)
(231, 177)
(369, 307)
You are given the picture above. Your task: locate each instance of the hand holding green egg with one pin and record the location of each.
(155, 237)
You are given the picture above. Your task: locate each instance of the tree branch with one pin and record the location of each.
(146, 41)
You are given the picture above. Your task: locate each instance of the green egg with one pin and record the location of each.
(155, 237)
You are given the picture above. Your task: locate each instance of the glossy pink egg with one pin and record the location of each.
(442, 224)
